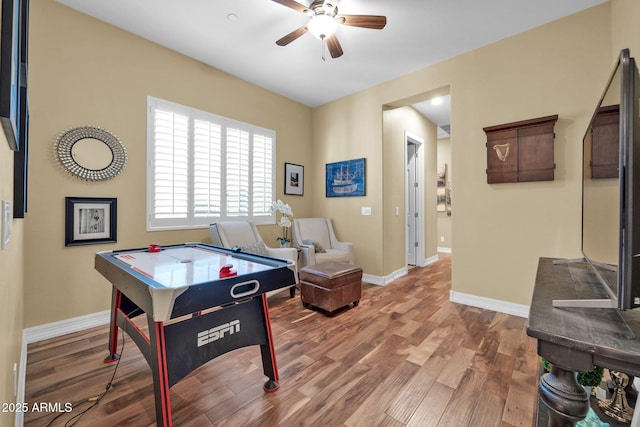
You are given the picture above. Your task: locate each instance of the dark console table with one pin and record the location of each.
(575, 339)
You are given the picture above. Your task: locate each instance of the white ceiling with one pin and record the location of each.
(438, 113)
(419, 33)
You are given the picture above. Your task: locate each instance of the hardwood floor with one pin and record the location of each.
(405, 356)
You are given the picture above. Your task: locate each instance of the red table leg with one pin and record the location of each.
(116, 300)
(160, 375)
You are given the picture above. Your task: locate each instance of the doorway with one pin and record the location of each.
(414, 200)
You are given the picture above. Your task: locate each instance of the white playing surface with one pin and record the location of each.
(185, 266)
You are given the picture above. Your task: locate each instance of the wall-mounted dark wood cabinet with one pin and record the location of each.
(521, 151)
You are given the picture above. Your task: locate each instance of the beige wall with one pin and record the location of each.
(445, 221)
(625, 23)
(11, 287)
(499, 231)
(335, 139)
(83, 71)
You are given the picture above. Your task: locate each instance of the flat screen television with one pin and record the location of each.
(611, 189)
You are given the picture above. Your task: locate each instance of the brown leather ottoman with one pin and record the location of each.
(331, 285)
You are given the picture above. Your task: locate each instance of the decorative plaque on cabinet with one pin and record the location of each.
(521, 151)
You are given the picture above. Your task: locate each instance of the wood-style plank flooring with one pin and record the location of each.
(405, 356)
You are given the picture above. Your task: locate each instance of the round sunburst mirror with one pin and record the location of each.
(91, 153)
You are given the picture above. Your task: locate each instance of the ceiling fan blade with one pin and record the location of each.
(291, 36)
(334, 46)
(375, 22)
(293, 5)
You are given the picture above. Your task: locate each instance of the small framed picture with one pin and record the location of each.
(90, 220)
(293, 179)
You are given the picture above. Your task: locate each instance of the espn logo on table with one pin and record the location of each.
(214, 334)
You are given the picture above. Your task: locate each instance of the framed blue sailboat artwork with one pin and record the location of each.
(346, 178)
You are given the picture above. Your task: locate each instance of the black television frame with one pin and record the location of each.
(624, 294)
(629, 257)
(14, 108)
(10, 72)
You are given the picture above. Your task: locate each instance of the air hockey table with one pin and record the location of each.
(200, 301)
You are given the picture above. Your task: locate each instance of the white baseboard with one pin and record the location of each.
(22, 374)
(67, 326)
(384, 280)
(490, 304)
(429, 260)
(444, 250)
(52, 330)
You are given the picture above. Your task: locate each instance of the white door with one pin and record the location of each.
(414, 204)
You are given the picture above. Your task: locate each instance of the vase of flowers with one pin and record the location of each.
(286, 217)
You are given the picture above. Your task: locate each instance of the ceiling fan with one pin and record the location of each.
(324, 21)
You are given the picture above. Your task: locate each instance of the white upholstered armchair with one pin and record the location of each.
(316, 239)
(245, 235)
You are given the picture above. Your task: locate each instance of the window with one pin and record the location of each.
(204, 168)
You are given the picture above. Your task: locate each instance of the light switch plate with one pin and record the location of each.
(365, 210)
(6, 223)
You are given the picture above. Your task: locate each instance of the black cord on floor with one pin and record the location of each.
(93, 400)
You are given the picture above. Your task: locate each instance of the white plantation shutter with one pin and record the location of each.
(237, 162)
(262, 175)
(171, 165)
(205, 168)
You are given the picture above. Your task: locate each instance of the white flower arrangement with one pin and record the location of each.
(285, 219)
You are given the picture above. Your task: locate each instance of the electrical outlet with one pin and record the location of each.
(365, 210)
(441, 238)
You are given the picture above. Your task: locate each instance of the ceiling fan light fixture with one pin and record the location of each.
(322, 26)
